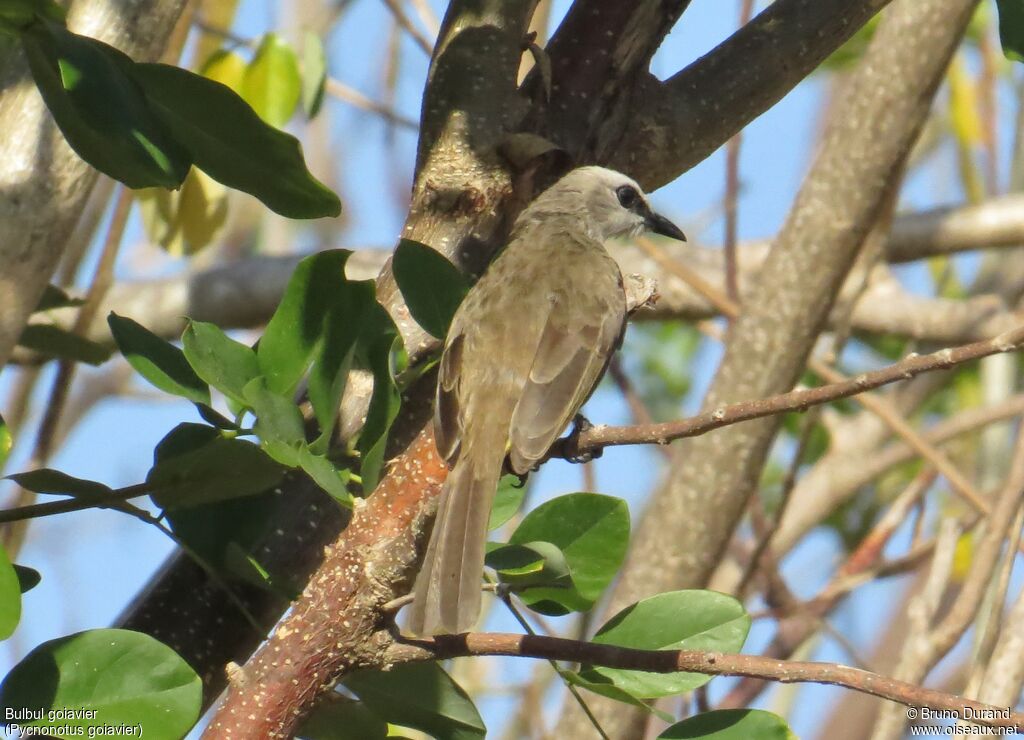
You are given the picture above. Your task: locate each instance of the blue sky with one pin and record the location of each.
(94, 562)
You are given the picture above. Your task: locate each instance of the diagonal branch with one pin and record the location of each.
(677, 123)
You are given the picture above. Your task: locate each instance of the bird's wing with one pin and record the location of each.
(571, 355)
(447, 418)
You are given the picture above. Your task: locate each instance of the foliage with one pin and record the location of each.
(148, 124)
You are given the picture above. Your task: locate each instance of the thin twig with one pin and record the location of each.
(407, 25)
(876, 405)
(356, 99)
(598, 437)
(732, 190)
(698, 661)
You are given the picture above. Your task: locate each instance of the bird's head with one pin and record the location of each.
(612, 205)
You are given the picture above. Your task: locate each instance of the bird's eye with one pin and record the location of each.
(628, 196)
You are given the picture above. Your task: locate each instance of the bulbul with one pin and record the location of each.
(524, 351)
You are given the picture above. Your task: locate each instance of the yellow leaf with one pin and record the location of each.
(202, 209)
(159, 210)
(225, 67)
(963, 105)
(272, 84)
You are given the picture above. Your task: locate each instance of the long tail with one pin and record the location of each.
(447, 592)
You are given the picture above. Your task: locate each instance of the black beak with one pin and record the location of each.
(658, 224)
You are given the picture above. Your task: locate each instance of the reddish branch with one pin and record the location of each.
(706, 662)
(339, 623)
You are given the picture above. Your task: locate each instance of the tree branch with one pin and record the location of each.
(698, 661)
(677, 123)
(599, 436)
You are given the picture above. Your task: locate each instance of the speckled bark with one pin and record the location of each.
(337, 624)
(43, 183)
(690, 519)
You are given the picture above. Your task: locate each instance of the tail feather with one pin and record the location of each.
(447, 591)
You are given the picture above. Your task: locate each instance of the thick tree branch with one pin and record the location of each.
(677, 123)
(43, 183)
(697, 661)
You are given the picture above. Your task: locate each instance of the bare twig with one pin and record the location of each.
(697, 661)
(598, 437)
(409, 27)
(882, 409)
(353, 97)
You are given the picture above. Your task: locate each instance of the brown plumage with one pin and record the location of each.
(524, 352)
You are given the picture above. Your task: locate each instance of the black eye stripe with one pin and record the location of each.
(628, 196)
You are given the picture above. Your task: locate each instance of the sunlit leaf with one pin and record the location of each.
(592, 532)
(730, 724)
(157, 360)
(677, 620)
(10, 596)
(314, 73)
(422, 696)
(101, 110)
(124, 678)
(228, 141)
(272, 84)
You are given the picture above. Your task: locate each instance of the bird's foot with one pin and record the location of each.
(571, 443)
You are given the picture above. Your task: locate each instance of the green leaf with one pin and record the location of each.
(10, 596)
(16, 15)
(604, 687)
(28, 578)
(158, 361)
(431, 285)
(121, 677)
(730, 724)
(54, 297)
(592, 531)
(230, 143)
(6, 442)
(53, 341)
(292, 334)
(326, 475)
(507, 500)
(218, 359)
(378, 338)
(521, 566)
(219, 470)
(338, 718)
(103, 112)
(278, 421)
(46, 480)
(314, 73)
(272, 84)
(677, 620)
(210, 528)
(1011, 28)
(333, 358)
(421, 696)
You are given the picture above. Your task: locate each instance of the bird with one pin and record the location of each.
(525, 349)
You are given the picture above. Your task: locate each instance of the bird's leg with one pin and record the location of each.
(571, 442)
